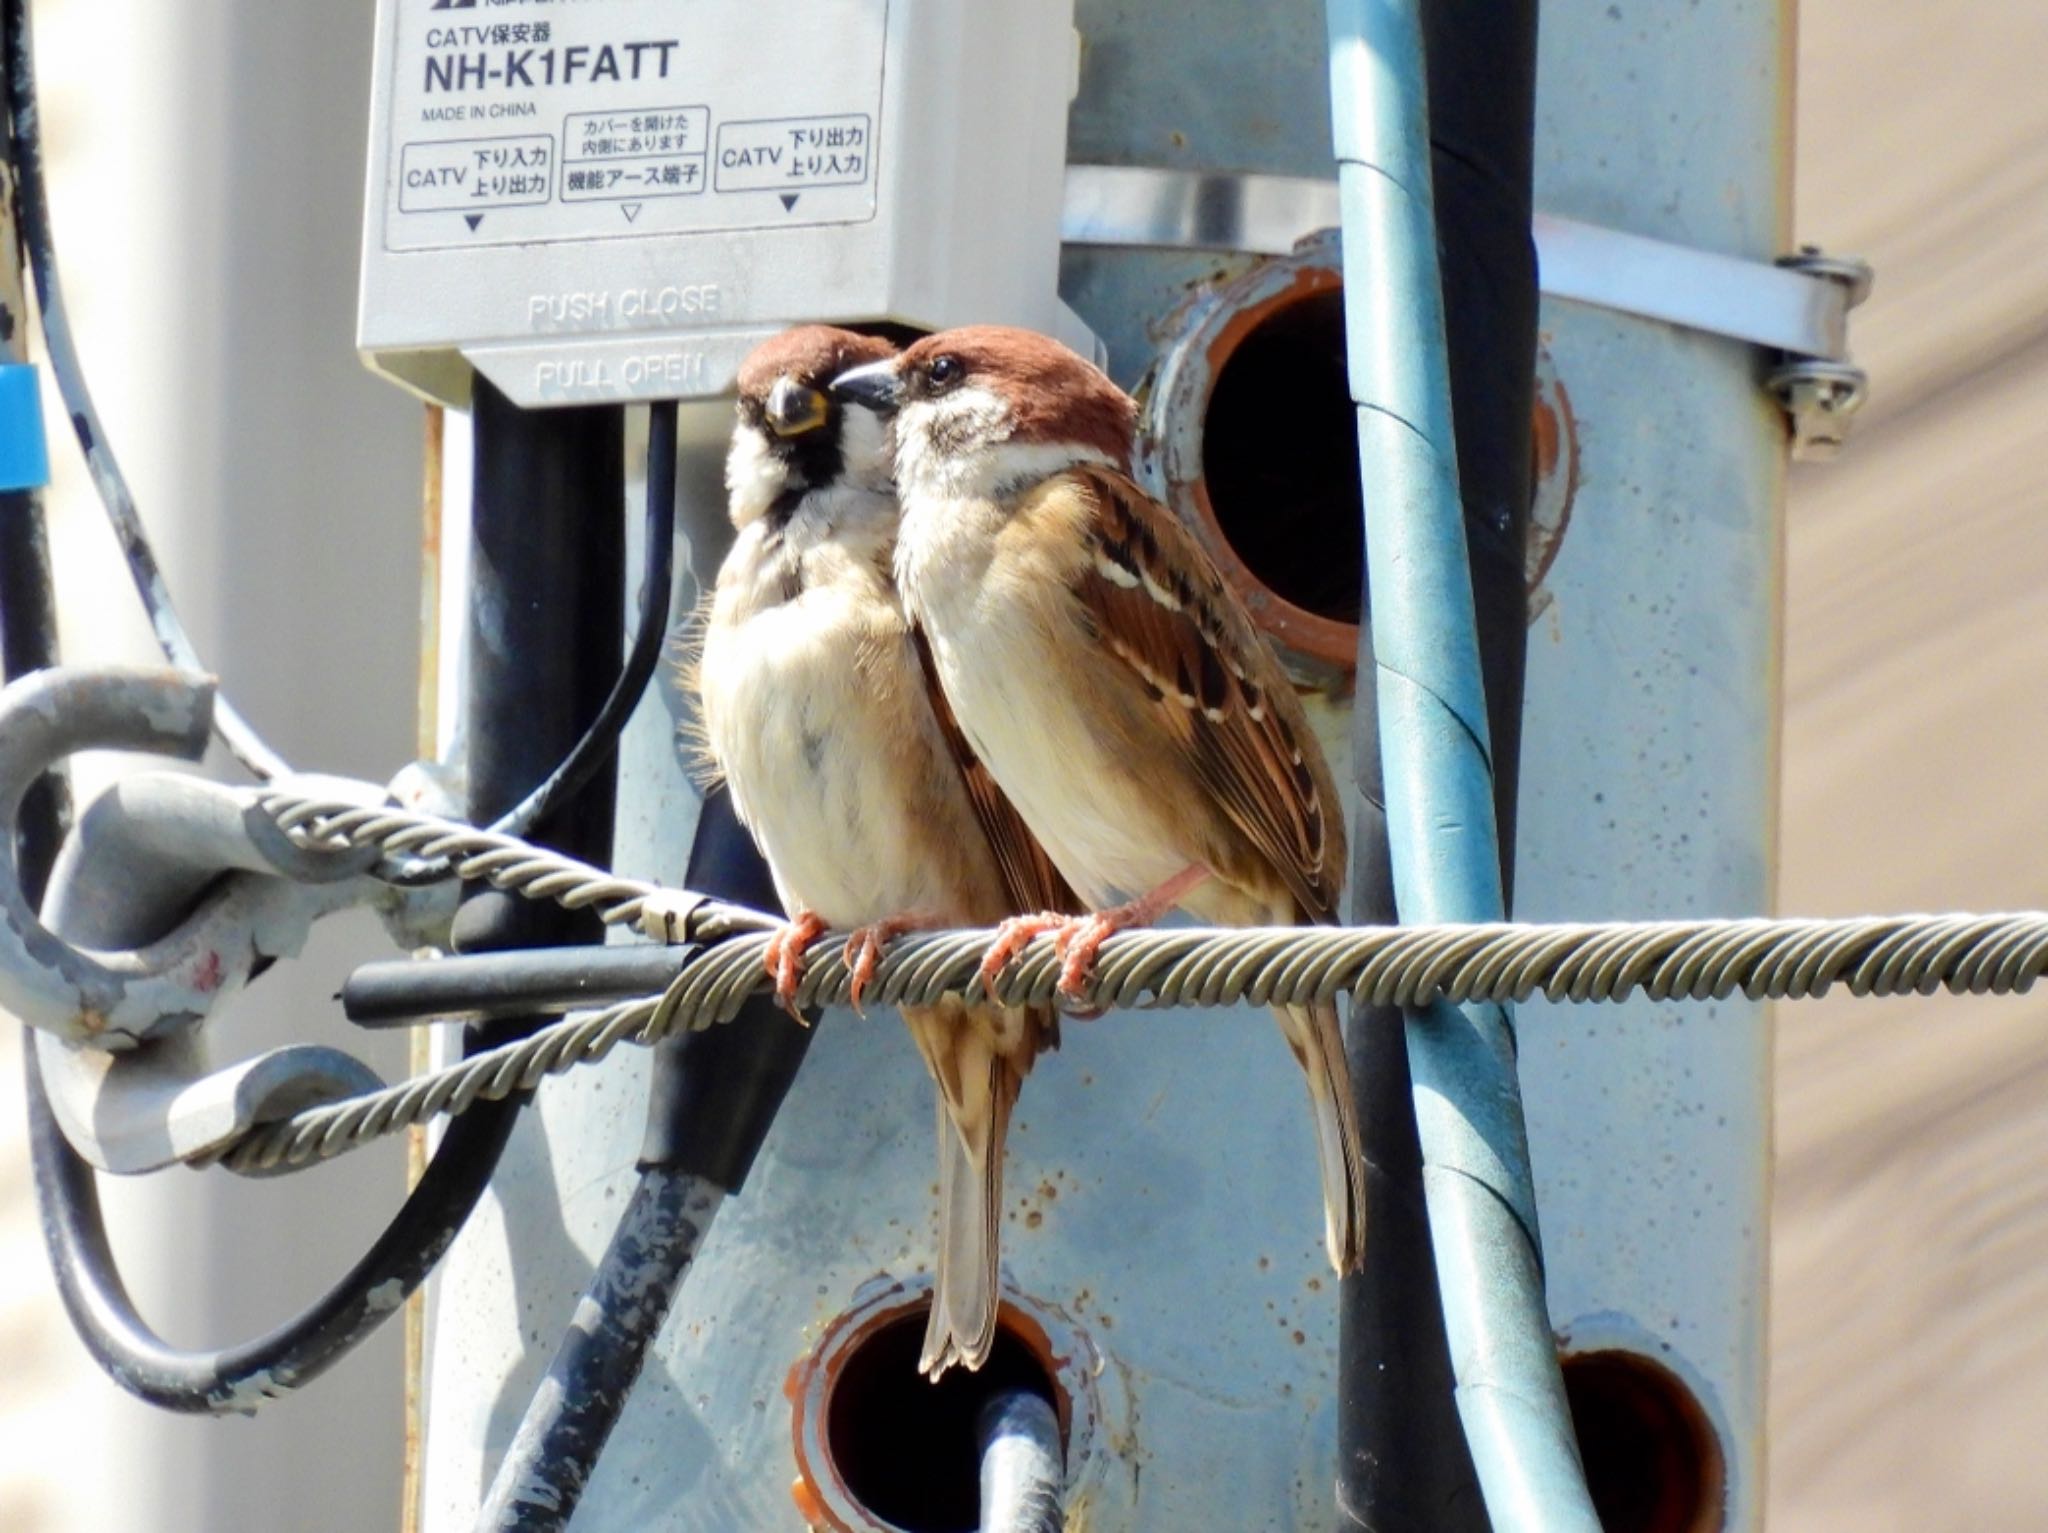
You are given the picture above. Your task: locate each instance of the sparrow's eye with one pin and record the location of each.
(945, 372)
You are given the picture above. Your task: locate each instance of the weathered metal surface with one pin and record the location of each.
(45, 981)
(147, 1108)
(1798, 303)
(1649, 762)
(1199, 338)
(541, 1481)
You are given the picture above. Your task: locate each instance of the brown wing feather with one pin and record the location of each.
(1030, 882)
(1160, 607)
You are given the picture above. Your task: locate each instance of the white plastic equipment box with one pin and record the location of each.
(614, 199)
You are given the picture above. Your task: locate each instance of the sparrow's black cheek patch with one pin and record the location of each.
(951, 434)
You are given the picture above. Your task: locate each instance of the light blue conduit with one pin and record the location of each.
(1439, 774)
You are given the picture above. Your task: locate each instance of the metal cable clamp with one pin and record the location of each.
(170, 895)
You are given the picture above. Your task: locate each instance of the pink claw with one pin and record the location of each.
(1012, 937)
(1079, 943)
(784, 957)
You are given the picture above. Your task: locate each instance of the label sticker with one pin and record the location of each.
(530, 121)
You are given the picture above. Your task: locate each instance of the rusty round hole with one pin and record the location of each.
(1247, 427)
(905, 1446)
(1653, 1461)
(1280, 457)
(880, 1447)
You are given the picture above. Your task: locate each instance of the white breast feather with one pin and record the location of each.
(805, 742)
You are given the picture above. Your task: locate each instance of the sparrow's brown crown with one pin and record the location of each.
(812, 355)
(1053, 395)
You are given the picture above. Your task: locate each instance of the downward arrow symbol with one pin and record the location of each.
(630, 209)
(472, 219)
(789, 200)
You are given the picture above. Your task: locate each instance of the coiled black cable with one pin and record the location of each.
(239, 1378)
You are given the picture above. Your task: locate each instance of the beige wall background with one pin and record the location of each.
(1909, 1380)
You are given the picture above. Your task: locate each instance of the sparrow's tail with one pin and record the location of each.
(977, 1087)
(1312, 1032)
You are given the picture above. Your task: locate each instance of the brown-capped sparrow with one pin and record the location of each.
(1110, 680)
(818, 709)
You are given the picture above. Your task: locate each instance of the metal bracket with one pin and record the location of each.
(1796, 307)
(1822, 395)
(165, 900)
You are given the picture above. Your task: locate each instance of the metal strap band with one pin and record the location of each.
(1804, 312)
(24, 459)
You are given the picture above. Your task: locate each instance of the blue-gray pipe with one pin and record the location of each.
(1023, 1469)
(1439, 774)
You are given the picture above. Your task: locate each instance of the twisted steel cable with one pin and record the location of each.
(1406, 966)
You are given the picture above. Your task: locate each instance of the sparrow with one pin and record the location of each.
(1111, 681)
(817, 707)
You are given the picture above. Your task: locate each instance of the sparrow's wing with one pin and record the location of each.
(1158, 607)
(1030, 882)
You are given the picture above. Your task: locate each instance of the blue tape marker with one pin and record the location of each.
(24, 458)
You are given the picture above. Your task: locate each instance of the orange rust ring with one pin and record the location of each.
(1202, 335)
(1061, 1348)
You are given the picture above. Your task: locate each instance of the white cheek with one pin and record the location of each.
(754, 476)
(958, 447)
(943, 444)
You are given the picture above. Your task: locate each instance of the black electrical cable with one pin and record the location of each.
(599, 741)
(28, 606)
(713, 1097)
(242, 741)
(1402, 1457)
(541, 1479)
(404, 992)
(241, 1377)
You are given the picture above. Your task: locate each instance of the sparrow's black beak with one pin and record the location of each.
(874, 387)
(794, 408)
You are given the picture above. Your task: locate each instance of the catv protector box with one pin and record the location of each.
(614, 200)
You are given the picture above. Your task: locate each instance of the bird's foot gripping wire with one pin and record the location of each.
(1012, 937)
(864, 948)
(784, 957)
(1080, 939)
